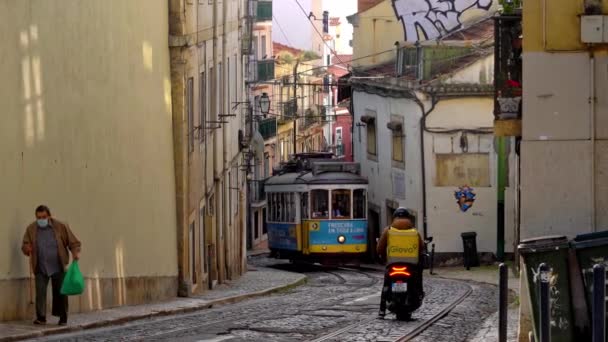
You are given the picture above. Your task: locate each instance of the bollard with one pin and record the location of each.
(545, 310)
(599, 303)
(503, 292)
(432, 257)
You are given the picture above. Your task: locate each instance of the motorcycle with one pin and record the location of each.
(405, 293)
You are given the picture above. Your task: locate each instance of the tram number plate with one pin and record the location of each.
(399, 287)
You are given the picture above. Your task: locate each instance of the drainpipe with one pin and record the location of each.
(425, 114)
(592, 128)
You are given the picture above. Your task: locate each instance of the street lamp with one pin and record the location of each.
(264, 104)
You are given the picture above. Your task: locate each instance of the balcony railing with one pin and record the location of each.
(289, 109)
(264, 11)
(265, 69)
(257, 191)
(268, 128)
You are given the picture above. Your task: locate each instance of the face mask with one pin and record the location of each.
(43, 222)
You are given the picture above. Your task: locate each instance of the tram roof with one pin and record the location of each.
(308, 178)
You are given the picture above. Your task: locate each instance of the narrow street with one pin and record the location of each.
(336, 304)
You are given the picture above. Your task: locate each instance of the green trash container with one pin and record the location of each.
(553, 251)
(591, 249)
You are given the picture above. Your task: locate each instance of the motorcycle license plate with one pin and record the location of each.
(399, 287)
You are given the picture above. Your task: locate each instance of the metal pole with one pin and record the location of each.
(432, 257)
(599, 303)
(503, 291)
(295, 106)
(545, 310)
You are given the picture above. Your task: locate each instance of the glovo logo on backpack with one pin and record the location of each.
(403, 245)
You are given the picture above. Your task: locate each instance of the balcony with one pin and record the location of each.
(268, 128)
(257, 191)
(265, 70)
(289, 110)
(311, 117)
(264, 11)
(508, 73)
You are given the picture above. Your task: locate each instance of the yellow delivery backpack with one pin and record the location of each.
(402, 246)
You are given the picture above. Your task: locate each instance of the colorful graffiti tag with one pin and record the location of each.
(430, 19)
(465, 197)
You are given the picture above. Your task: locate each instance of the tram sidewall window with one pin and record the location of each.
(340, 204)
(359, 204)
(282, 207)
(320, 204)
(304, 205)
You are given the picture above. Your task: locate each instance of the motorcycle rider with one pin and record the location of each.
(402, 223)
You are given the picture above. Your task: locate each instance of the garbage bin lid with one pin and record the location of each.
(590, 243)
(543, 244)
(468, 234)
(591, 236)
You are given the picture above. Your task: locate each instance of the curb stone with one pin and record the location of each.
(160, 313)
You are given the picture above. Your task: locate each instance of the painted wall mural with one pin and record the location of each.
(465, 197)
(430, 19)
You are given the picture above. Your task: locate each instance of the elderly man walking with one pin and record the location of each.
(46, 242)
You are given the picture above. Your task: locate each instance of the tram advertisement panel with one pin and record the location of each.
(282, 236)
(328, 232)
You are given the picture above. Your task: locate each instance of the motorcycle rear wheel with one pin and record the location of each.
(404, 316)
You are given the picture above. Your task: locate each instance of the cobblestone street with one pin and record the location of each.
(334, 305)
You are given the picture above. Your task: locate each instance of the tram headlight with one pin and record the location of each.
(341, 239)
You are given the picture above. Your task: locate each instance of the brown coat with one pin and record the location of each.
(401, 224)
(66, 240)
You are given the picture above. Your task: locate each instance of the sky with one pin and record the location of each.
(291, 27)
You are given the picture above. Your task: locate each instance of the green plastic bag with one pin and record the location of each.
(73, 282)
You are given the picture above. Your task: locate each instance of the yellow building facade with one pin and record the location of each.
(564, 147)
(209, 117)
(87, 129)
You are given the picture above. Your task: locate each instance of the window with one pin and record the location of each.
(228, 86)
(340, 204)
(359, 200)
(212, 94)
(282, 207)
(456, 169)
(203, 106)
(220, 86)
(398, 148)
(304, 205)
(254, 48)
(263, 55)
(190, 109)
(371, 138)
(320, 204)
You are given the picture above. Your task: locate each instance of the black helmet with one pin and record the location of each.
(402, 213)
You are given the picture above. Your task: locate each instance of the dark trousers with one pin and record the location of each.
(60, 302)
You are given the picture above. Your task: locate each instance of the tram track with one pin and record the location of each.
(410, 335)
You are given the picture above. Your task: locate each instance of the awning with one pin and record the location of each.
(395, 126)
(368, 119)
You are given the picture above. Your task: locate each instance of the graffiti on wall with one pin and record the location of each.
(430, 19)
(465, 197)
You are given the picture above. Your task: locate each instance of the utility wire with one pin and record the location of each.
(281, 28)
(319, 33)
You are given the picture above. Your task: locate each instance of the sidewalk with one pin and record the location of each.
(257, 282)
(488, 330)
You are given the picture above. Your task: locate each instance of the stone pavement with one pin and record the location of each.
(489, 274)
(256, 282)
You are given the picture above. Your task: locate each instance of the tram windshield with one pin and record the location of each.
(320, 204)
(359, 200)
(340, 204)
